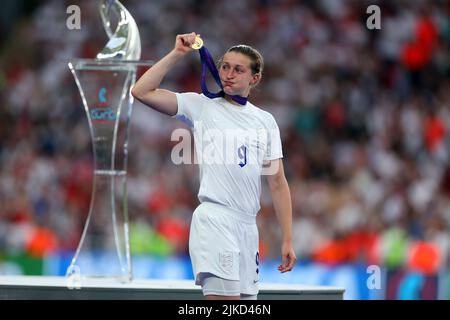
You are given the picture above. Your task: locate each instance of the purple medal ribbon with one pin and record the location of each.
(207, 62)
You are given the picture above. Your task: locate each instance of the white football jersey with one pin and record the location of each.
(231, 143)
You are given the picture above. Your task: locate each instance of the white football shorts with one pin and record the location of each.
(225, 243)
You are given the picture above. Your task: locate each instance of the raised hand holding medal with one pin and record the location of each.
(198, 44)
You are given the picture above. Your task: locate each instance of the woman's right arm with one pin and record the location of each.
(146, 88)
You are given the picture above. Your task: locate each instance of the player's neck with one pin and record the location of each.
(230, 100)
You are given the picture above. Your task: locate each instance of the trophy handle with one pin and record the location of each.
(105, 10)
(124, 43)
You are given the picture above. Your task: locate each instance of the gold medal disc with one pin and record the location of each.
(198, 43)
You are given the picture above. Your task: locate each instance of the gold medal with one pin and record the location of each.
(198, 43)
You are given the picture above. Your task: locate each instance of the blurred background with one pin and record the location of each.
(364, 117)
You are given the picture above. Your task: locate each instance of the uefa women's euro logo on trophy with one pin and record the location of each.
(105, 88)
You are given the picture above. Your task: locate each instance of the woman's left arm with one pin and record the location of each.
(281, 198)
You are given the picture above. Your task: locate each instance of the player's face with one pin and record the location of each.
(236, 74)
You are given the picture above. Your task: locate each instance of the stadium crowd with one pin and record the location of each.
(364, 117)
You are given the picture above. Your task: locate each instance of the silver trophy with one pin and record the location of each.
(125, 42)
(105, 88)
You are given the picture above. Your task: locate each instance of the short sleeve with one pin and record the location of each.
(274, 147)
(190, 107)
